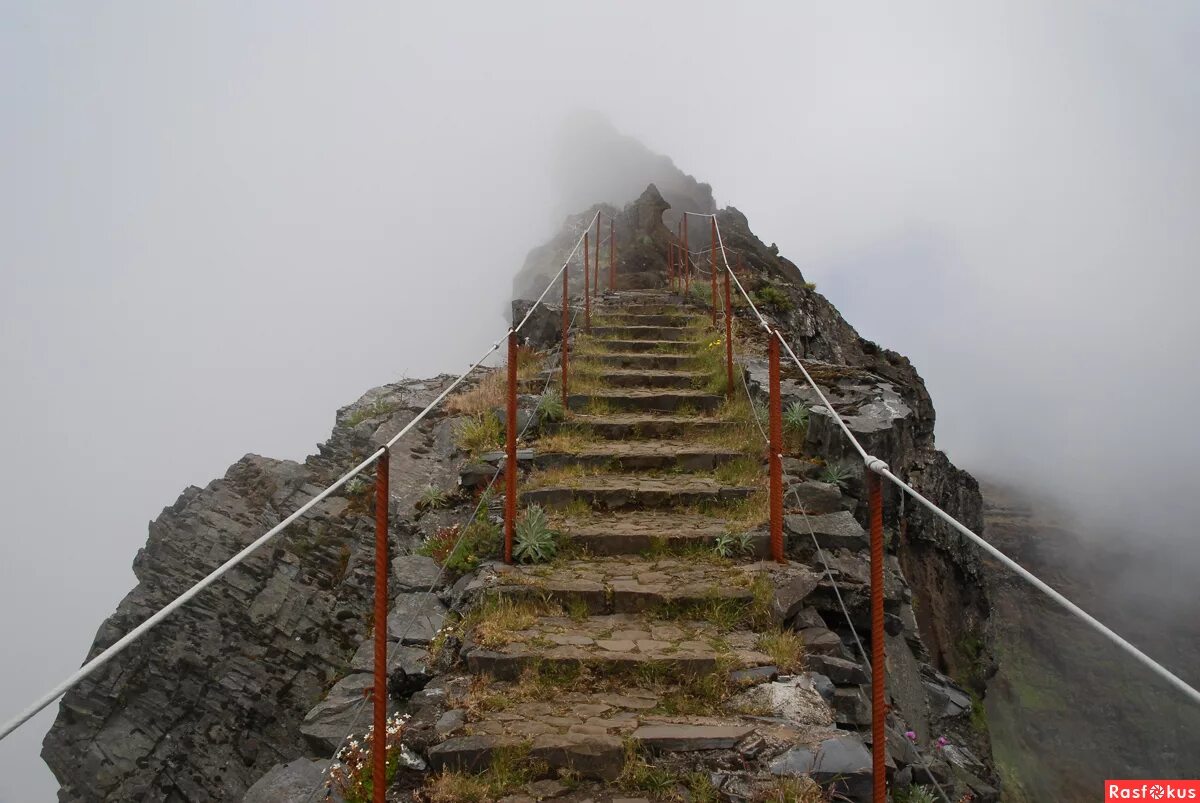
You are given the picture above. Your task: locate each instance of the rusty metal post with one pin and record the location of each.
(878, 706)
(612, 260)
(712, 267)
(775, 461)
(379, 703)
(671, 265)
(566, 325)
(596, 261)
(728, 338)
(587, 291)
(510, 451)
(687, 260)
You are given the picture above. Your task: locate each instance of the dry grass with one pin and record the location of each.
(511, 769)
(494, 619)
(793, 790)
(486, 396)
(785, 648)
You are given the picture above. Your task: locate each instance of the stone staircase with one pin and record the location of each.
(641, 664)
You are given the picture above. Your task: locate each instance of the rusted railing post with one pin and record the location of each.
(728, 339)
(878, 706)
(596, 261)
(379, 703)
(670, 266)
(612, 259)
(587, 291)
(566, 346)
(687, 260)
(510, 451)
(712, 267)
(775, 461)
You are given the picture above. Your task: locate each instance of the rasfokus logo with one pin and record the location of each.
(1151, 790)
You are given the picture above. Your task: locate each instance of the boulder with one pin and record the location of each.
(833, 530)
(416, 618)
(415, 573)
(345, 710)
(286, 783)
(838, 761)
(790, 596)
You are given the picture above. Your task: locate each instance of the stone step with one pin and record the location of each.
(647, 400)
(645, 361)
(624, 492)
(642, 455)
(619, 346)
(612, 644)
(634, 584)
(666, 380)
(624, 318)
(645, 531)
(621, 426)
(629, 332)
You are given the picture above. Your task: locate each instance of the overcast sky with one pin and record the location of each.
(221, 221)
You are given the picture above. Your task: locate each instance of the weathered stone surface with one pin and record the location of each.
(631, 533)
(617, 492)
(416, 617)
(415, 573)
(850, 706)
(839, 670)
(647, 400)
(642, 455)
(340, 713)
(833, 530)
(818, 641)
(619, 426)
(591, 755)
(472, 754)
(817, 498)
(795, 699)
(286, 783)
(685, 738)
(838, 759)
(789, 597)
(413, 660)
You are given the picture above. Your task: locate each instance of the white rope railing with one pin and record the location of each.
(121, 644)
(881, 468)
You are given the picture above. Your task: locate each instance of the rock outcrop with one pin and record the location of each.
(266, 671)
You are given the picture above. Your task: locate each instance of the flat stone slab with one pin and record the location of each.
(635, 332)
(416, 573)
(622, 426)
(633, 584)
(838, 757)
(416, 617)
(617, 345)
(631, 533)
(816, 498)
(647, 400)
(832, 530)
(684, 738)
(618, 492)
(645, 360)
(615, 643)
(642, 455)
(643, 378)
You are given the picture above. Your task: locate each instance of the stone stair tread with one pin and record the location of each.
(628, 584)
(642, 447)
(645, 345)
(617, 491)
(613, 643)
(626, 533)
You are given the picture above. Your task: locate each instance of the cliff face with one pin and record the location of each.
(213, 697)
(237, 682)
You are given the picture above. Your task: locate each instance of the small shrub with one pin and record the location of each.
(795, 417)
(358, 486)
(810, 285)
(745, 544)
(772, 298)
(461, 550)
(550, 407)
(375, 409)
(534, 541)
(480, 433)
(793, 790)
(433, 498)
(836, 474)
(350, 774)
(915, 794)
(724, 546)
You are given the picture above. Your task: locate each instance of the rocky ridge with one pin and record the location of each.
(644, 514)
